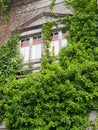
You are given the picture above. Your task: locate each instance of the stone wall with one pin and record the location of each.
(2, 126)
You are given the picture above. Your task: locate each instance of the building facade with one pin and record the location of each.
(26, 11)
(28, 16)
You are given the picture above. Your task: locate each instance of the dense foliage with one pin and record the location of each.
(9, 58)
(83, 25)
(50, 100)
(80, 57)
(62, 94)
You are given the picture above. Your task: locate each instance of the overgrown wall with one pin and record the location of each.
(21, 12)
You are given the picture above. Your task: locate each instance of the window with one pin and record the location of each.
(54, 36)
(64, 38)
(25, 42)
(36, 51)
(54, 45)
(31, 48)
(24, 50)
(37, 39)
(36, 47)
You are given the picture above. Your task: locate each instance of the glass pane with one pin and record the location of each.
(54, 46)
(34, 48)
(24, 51)
(64, 43)
(38, 51)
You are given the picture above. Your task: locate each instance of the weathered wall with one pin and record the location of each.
(2, 126)
(21, 12)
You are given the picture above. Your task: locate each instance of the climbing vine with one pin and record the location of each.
(47, 31)
(9, 58)
(4, 5)
(61, 95)
(5, 9)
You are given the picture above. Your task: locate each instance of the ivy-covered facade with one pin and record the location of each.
(64, 94)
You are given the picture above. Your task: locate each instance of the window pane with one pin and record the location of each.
(64, 43)
(38, 51)
(34, 52)
(25, 53)
(54, 46)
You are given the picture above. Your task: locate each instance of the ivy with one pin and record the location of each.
(47, 31)
(9, 58)
(52, 4)
(4, 5)
(61, 95)
(5, 9)
(51, 100)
